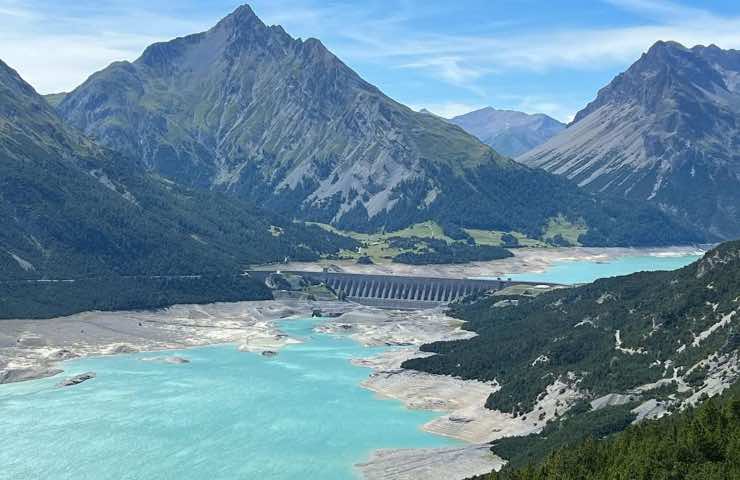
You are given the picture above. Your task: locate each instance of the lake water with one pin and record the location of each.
(584, 271)
(225, 415)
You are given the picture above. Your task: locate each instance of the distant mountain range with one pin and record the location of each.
(246, 109)
(509, 132)
(665, 132)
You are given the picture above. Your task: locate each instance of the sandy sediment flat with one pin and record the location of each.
(430, 463)
(461, 403)
(33, 348)
(525, 260)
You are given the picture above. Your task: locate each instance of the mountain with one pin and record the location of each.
(509, 132)
(246, 109)
(589, 360)
(72, 209)
(666, 131)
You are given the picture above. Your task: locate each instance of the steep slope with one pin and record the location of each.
(509, 132)
(640, 345)
(701, 443)
(245, 108)
(71, 209)
(667, 131)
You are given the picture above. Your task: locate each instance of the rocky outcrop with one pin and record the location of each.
(13, 375)
(77, 379)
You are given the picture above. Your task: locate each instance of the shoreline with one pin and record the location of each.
(34, 349)
(31, 349)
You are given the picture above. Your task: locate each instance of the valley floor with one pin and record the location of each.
(529, 260)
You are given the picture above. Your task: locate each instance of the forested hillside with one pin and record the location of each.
(72, 210)
(698, 444)
(596, 357)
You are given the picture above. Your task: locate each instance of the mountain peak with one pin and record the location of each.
(242, 17)
(658, 132)
(666, 45)
(508, 131)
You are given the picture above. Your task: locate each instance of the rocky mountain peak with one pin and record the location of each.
(249, 110)
(242, 17)
(665, 131)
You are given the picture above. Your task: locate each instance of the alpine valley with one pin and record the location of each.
(246, 109)
(248, 262)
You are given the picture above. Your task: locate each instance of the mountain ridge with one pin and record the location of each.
(76, 210)
(246, 109)
(664, 131)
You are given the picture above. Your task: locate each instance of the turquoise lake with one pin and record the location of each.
(225, 415)
(584, 271)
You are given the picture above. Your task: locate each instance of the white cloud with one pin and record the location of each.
(59, 63)
(56, 51)
(449, 68)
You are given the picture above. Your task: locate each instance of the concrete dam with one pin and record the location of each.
(392, 291)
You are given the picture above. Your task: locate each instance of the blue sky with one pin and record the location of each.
(447, 56)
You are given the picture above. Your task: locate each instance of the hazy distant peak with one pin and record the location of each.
(508, 131)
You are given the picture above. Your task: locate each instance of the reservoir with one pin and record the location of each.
(225, 415)
(568, 272)
(229, 414)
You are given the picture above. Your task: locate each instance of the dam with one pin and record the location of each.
(395, 291)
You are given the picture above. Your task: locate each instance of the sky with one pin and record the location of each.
(450, 57)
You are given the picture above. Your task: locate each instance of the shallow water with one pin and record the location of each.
(584, 271)
(225, 415)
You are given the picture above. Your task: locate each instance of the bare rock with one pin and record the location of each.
(77, 379)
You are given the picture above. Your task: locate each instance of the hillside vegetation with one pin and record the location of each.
(698, 444)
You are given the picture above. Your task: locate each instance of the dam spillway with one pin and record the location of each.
(395, 291)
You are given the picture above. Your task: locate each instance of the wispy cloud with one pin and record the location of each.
(57, 48)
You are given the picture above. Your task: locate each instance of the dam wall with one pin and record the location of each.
(392, 291)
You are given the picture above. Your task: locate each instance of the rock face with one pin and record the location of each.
(666, 131)
(509, 132)
(247, 109)
(77, 379)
